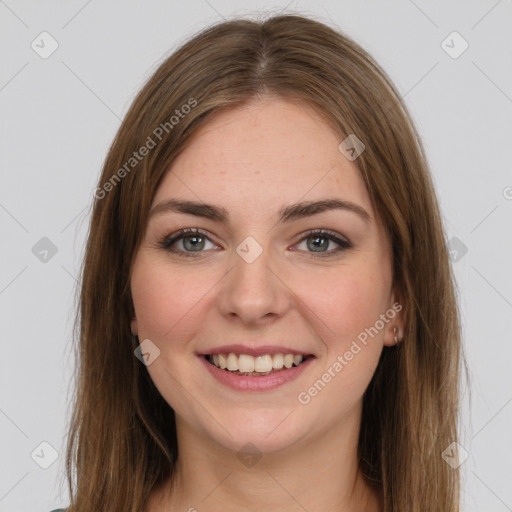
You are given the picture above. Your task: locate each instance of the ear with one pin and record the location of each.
(395, 326)
(134, 326)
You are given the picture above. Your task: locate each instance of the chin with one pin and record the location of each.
(266, 431)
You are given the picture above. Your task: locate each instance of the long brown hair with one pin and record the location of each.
(122, 438)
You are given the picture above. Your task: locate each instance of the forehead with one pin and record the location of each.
(267, 151)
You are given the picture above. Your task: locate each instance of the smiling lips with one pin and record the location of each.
(264, 368)
(245, 364)
(245, 367)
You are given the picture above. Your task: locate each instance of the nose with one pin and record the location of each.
(253, 291)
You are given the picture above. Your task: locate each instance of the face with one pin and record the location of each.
(282, 256)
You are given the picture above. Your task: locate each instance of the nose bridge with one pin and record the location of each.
(251, 290)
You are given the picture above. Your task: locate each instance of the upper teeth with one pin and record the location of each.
(261, 364)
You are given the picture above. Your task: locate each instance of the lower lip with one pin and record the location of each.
(249, 383)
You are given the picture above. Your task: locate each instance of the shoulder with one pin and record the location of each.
(59, 510)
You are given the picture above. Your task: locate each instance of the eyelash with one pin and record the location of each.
(167, 241)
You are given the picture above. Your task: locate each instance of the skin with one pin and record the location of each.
(252, 161)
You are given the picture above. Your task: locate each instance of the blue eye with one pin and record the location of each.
(194, 241)
(320, 239)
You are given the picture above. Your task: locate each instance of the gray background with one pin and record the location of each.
(59, 115)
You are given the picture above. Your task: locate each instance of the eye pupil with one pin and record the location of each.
(316, 244)
(195, 244)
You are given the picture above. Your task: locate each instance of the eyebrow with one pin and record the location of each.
(286, 214)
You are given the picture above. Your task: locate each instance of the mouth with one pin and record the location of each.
(243, 367)
(247, 365)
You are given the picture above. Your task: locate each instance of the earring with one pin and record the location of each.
(395, 332)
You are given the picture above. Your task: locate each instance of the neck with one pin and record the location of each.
(322, 474)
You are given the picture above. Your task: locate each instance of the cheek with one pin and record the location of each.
(165, 301)
(345, 315)
(348, 302)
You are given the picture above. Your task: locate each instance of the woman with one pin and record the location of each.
(268, 318)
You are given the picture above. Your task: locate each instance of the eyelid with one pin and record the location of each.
(167, 240)
(332, 235)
